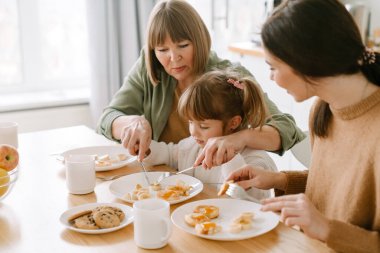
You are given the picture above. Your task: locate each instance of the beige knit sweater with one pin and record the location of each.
(343, 181)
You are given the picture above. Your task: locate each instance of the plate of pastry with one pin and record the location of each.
(106, 157)
(224, 219)
(97, 218)
(174, 189)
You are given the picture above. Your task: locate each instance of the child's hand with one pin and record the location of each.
(248, 176)
(298, 210)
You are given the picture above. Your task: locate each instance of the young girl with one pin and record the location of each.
(217, 104)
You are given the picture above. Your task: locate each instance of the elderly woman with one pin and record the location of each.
(177, 51)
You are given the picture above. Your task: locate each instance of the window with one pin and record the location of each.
(43, 52)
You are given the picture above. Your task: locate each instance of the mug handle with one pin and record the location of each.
(167, 223)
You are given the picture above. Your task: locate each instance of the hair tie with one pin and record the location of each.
(368, 57)
(235, 83)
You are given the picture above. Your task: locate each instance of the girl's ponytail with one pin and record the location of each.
(254, 107)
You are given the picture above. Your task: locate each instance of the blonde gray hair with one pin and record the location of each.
(180, 21)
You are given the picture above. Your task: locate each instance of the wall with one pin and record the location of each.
(41, 119)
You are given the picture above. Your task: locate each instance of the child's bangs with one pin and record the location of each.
(199, 107)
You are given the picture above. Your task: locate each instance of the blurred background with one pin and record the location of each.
(62, 60)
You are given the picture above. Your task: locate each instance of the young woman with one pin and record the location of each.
(314, 48)
(217, 104)
(177, 51)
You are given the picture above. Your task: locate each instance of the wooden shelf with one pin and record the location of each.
(246, 48)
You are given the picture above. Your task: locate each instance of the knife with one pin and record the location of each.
(182, 171)
(145, 173)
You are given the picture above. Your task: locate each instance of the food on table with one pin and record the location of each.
(8, 157)
(207, 228)
(108, 160)
(224, 187)
(85, 222)
(168, 195)
(210, 211)
(117, 211)
(242, 222)
(98, 218)
(175, 192)
(155, 186)
(121, 157)
(138, 193)
(181, 187)
(4, 180)
(171, 192)
(106, 218)
(200, 218)
(195, 218)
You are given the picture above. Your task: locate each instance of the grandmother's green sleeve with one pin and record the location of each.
(128, 100)
(285, 124)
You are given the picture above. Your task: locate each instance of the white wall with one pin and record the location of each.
(41, 119)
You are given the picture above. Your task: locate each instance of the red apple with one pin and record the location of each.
(8, 157)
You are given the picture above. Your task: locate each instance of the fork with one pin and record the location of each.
(168, 174)
(237, 192)
(108, 178)
(163, 176)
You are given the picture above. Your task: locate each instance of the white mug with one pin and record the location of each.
(152, 225)
(80, 174)
(8, 133)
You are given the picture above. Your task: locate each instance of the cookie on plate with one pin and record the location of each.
(116, 210)
(106, 218)
(85, 222)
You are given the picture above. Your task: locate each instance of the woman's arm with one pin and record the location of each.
(128, 101)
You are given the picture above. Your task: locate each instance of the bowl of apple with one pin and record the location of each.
(8, 169)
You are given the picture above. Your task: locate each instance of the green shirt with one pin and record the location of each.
(138, 96)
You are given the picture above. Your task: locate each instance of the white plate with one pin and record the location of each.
(103, 150)
(229, 209)
(121, 186)
(126, 209)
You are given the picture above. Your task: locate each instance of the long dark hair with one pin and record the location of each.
(318, 38)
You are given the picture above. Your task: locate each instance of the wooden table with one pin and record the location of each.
(29, 216)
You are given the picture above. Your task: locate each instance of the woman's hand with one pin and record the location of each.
(248, 176)
(134, 133)
(298, 210)
(218, 150)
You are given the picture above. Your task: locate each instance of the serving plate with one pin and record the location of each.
(70, 212)
(121, 186)
(229, 209)
(100, 151)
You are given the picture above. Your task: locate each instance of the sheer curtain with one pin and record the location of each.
(116, 35)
